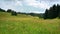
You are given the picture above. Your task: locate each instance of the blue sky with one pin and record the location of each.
(28, 6)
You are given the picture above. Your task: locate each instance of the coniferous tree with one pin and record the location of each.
(46, 14)
(58, 9)
(52, 12)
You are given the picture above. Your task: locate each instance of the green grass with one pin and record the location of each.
(23, 24)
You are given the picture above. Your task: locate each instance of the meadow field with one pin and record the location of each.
(26, 24)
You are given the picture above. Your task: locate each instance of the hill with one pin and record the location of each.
(26, 24)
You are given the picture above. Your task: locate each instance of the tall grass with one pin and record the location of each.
(27, 25)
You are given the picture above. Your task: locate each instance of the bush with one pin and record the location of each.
(13, 13)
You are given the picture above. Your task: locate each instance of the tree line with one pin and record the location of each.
(52, 12)
(14, 13)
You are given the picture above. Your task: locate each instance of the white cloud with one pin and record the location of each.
(24, 5)
(35, 3)
(17, 2)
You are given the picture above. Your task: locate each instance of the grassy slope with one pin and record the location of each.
(23, 24)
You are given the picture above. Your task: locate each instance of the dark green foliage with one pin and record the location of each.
(9, 10)
(32, 14)
(53, 12)
(58, 9)
(1, 10)
(40, 15)
(46, 14)
(13, 13)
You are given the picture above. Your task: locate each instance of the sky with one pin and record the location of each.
(28, 6)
